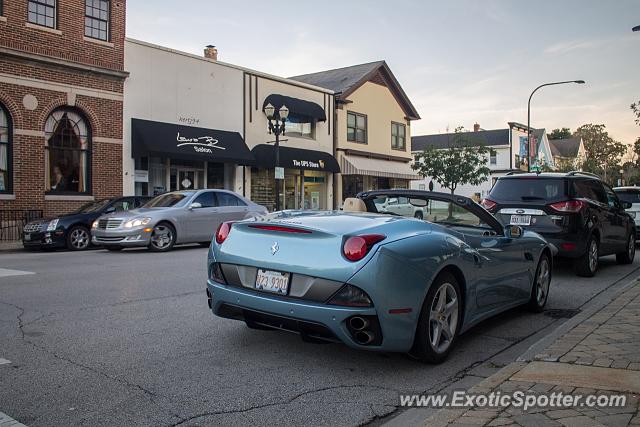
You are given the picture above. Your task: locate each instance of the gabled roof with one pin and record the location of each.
(568, 147)
(344, 81)
(489, 138)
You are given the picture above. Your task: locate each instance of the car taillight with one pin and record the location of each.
(568, 206)
(356, 247)
(488, 204)
(223, 232)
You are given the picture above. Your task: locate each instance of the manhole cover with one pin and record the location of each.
(561, 314)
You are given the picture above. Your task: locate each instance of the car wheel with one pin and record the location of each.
(587, 264)
(163, 237)
(78, 238)
(418, 215)
(439, 320)
(114, 248)
(629, 254)
(541, 283)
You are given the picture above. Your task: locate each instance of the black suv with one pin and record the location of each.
(576, 212)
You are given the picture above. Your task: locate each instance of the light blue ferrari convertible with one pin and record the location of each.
(377, 278)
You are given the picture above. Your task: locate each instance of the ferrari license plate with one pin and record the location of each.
(27, 237)
(520, 220)
(272, 281)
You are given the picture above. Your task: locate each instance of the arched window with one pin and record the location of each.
(68, 152)
(5, 151)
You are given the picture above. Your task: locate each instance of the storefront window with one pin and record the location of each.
(215, 175)
(5, 152)
(67, 152)
(300, 126)
(352, 185)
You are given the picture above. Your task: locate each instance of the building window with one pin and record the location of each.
(352, 185)
(493, 157)
(67, 153)
(300, 126)
(356, 127)
(96, 19)
(1, 7)
(43, 12)
(5, 151)
(398, 136)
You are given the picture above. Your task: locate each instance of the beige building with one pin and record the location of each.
(372, 129)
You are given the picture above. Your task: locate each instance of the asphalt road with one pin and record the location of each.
(99, 338)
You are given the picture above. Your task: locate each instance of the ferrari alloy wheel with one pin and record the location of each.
(163, 237)
(587, 264)
(78, 238)
(439, 320)
(541, 284)
(629, 254)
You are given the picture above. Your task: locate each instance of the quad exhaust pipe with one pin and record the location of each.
(363, 337)
(358, 323)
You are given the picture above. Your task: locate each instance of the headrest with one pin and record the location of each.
(353, 204)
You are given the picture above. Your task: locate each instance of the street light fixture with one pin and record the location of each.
(276, 126)
(529, 153)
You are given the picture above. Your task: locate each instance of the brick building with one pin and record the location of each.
(61, 98)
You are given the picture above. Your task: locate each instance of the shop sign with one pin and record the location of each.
(279, 173)
(200, 144)
(309, 164)
(141, 175)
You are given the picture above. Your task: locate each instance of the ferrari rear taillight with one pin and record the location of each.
(223, 232)
(568, 206)
(488, 204)
(356, 247)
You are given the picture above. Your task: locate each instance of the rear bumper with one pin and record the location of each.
(314, 319)
(567, 245)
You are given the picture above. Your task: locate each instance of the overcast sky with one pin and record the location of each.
(459, 61)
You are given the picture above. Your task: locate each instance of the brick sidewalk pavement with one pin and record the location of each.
(599, 356)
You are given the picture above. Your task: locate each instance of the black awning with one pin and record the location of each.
(295, 158)
(296, 106)
(189, 143)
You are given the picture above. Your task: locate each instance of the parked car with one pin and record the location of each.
(173, 218)
(576, 212)
(73, 230)
(377, 281)
(631, 195)
(398, 206)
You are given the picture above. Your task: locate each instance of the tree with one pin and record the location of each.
(462, 162)
(566, 165)
(635, 107)
(563, 133)
(603, 152)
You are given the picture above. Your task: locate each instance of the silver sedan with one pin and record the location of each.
(173, 218)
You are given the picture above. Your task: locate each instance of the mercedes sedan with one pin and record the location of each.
(173, 218)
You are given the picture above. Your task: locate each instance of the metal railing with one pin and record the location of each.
(12, 221)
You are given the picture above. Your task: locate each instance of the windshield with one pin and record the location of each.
(528, 189)
(169, 200)
(93, 206)
(629, 196)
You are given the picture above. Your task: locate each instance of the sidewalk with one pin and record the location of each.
(600, 355)
(11, 246)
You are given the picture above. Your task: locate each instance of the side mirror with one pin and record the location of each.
(626, 205)
(195, 205)
(513, 231)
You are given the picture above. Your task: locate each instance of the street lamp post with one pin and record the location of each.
(529, 116)
(277, 127)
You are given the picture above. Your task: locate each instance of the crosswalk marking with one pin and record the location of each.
(4, 361)
(6, 272)
(6, 421)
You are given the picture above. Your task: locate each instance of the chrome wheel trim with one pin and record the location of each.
(593, 256)
(543, 280)
(161, 237)
(443, 318)
(79, 238)
(631, 248)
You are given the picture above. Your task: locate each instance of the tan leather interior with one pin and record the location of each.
(353, 204)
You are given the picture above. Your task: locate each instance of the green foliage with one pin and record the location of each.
(566, 165)
(603, 152)
(462, 162)
(635, 107)
(563, 133)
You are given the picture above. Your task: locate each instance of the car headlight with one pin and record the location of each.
(137, 222)
(53, 224)
(94, 224)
